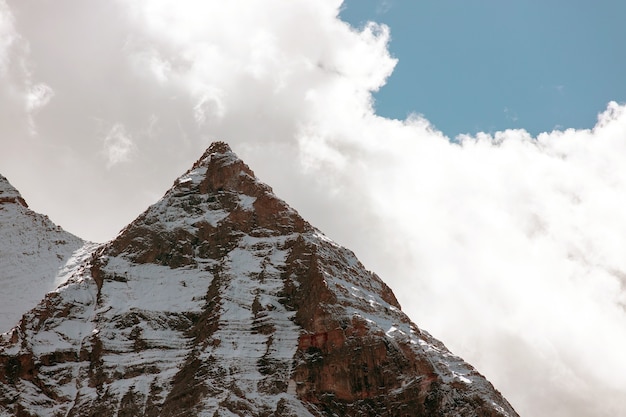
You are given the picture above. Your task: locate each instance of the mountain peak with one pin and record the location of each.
(218, 154)
(217, 147)
(9, 194)
(220, 169)
(218, 196)
(221, 300)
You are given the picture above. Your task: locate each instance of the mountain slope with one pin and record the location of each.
(33, 252)
(220, 300)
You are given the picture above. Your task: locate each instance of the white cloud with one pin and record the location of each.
(507, 247)
(20, 97)
(38, 96)
(118, 145)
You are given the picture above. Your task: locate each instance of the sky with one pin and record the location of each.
(496, 65)
(472, 156)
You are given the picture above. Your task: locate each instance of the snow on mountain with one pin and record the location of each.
(220, 300)
(33, 253)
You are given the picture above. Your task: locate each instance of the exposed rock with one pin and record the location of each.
(220, 300)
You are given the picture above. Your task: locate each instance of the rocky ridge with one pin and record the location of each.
(220, 300)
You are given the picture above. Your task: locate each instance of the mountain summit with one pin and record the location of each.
(220, 300)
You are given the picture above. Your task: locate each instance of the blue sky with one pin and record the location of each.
(497, 64)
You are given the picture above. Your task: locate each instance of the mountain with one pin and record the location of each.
(220, 300)
(33, 252)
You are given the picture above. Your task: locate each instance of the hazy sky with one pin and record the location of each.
(507, 245)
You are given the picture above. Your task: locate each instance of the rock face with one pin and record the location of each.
(220, 300)
(33, 252)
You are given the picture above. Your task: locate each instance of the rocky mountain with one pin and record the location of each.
(33, 251)
(220, 300)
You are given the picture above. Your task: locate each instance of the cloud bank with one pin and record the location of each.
(507, 247)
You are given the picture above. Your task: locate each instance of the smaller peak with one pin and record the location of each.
(219, 147)
(219, 168)
(218, 151)
(9, 194)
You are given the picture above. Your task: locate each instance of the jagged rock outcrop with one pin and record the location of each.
(33, 252)
(220, 300)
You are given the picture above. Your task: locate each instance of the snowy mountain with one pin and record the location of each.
(33, 252)
(220, 300)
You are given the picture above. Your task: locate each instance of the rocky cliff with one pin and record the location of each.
(220, 300)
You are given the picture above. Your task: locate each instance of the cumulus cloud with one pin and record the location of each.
(512, 244)
(505, 246)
